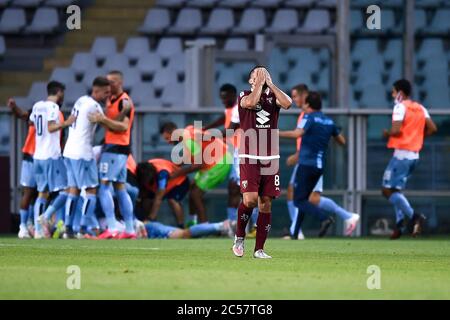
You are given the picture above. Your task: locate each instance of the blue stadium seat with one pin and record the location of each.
(45, 21)
(278, 61)
(299, 3)
(177, 63)
(285, 21)
(304, 58)
(188, 21)
(103, 47)
(149, 63)
(364, 49)
(428, 3)
(220, 22)
(37, 92)
(236, 44)
(420, 20)
(156, 21)
(116, 61)
(317, 21)
(173, 95)
(12, 21)
(168, 47)
(74, 90)
(440, 23)
(267, 3)
(431, 48)
(393, 51)
(252, 21)
(83, 61)
(91, 74)
(131, 77)
(202, 3)
(136, 47)
(26, 3)
(438, 95)
(60, 3)
(142, 93)
(374, 96)
(356, 21)
(233, 3)
(163, 78)
(170, 3)
(64, 75)
(329, 4)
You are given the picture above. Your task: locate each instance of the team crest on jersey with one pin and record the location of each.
(270, 100)
(244, 184)
(258, 107)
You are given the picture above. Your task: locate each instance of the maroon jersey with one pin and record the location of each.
(260, 138)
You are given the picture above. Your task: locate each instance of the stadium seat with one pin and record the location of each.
(38, 91)
(74, 90)
(202, 3)
(59, 3)
(103, 46)
(420, 20)
(252, 21)
(23, 102)
(116, 61)
(278, 61)
(234, 3)
(236, 44)
(167, 47)
(141, 92)
(356, 21)
(363, 49)
(317, 21)
(131, 77)
(220, 22)
(170, 3)
(26, 3)
(83, 61)
(427, 3)
(285, 21)
(440, 23)
(149, 63)
(91, 74)
(188, 21)
(393, 51)
(2, 46)
(135, 48)
(12, 21)
(64, 75)
(173, 95)
(156, 21)
(177, 63)
(299, 3)
(431, 48)
(164, 77)
(45, 21)
(438, 96)
(303, 58)
(329, 4)
(267, 3)
(374, 96)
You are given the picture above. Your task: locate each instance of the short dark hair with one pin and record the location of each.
(314, 100)
(116, 73)
(254, 68)
(145, 174)
(404, 86)
(228, 88)
(100, 82)
(300, 88)
(167, 127)
(53, 87)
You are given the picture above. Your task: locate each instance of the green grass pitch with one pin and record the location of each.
(206, 269)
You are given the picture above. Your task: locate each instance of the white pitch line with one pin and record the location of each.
(76, 247)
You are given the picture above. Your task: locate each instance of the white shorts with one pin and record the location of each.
(317, 188)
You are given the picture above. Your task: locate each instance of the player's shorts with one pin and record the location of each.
(113, 167)
(235, 172)
(397, 173)
(317, 188)
(179, 192)
(156, 230)
(211, 178)
(27, 174)
(50, 174)
(254, 179)
(81, 173)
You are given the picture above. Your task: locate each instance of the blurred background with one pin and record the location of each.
(175, 54)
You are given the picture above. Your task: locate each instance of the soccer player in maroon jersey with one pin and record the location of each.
(259, 156)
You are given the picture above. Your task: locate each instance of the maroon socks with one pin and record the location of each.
(243, 216)
(263, 225)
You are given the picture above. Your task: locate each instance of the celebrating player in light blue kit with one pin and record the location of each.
(48, 165)
(79, 159)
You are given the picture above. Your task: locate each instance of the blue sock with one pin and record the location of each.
(31, 214)
(400, 201)
(58, 203)
(71, 205)
(107, 203)
(89, 205)
(204, 229)
(126, 209)
(39, 208)
(329, 205)
(231, 213)
(293, 210)
(254, 216)
(399, 216)
(60, 214)
(76, 223)
(23, 217)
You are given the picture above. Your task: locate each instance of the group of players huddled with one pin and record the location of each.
(89, 191)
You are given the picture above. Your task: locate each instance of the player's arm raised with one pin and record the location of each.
(19, 113)
(250, 101)
(113, 125)
(283, 100)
